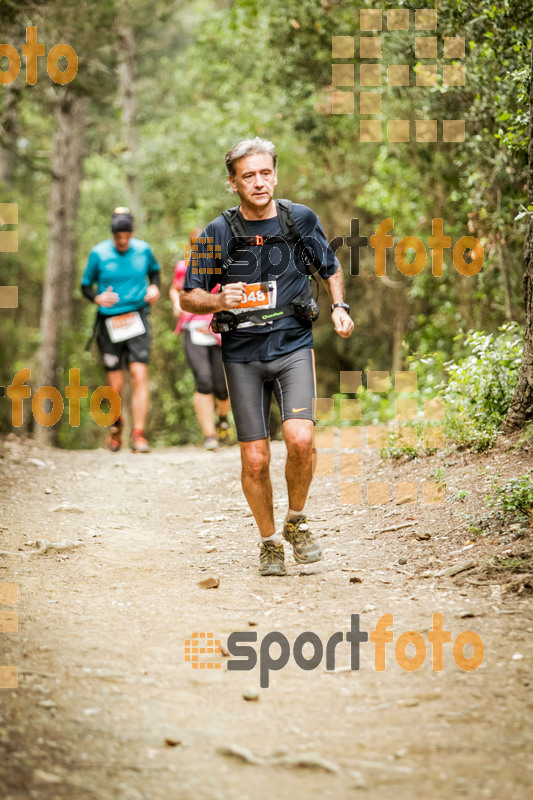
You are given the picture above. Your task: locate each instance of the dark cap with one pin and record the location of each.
(121, 220)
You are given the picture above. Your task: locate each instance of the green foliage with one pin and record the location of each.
(514, 499)
(480, 385)
(525, 440)
(439, 476)
(396, 448)
(512, 507)
(517, 564)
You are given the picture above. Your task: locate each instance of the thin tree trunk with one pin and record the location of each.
(128, 101)
(401, 317)
(9, 133)
(521, 408)
(11, 96)
(400, 324)
(506, 282)
(57, 306)
(504, 267)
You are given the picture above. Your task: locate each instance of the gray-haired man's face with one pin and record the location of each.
(254, 180)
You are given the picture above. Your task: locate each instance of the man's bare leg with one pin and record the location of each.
(204, 406)
(115, 379)
(140, 395)
(223, 407)
(298, 435)
(256, 484)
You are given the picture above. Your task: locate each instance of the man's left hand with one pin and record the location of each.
(343, 323)
(152, 294)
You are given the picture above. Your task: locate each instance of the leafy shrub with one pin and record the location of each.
(398, 446)
(514, 499)
(512, 508)
(480, 386)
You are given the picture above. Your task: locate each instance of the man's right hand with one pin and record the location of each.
(107, 298)
(232, 295)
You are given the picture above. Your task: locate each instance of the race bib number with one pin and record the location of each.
(125, 326)
(259, 295)
(201, 335)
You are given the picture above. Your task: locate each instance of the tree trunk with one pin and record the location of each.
(400, 325)
(521, 408)
(57, 306)
(128, 101)
(401, 318)
(11, 96)
(9, 133)
(503, 265)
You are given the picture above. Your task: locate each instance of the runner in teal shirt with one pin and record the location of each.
(126, 275)
(129, 273)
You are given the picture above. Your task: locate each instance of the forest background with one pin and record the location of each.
(164, 89)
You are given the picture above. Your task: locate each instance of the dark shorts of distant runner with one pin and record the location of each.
(206, 364)
(292, 380)
(118, 355)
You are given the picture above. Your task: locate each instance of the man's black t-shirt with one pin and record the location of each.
(270, 261)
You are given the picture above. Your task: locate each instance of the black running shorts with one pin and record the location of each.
(117, 355)
(250, 384)
(206, 364)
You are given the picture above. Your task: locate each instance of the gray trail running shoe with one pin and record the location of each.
(296, 531)
(272, 559)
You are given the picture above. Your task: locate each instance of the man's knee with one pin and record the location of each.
(255, 460)
(139, 374)
(115, 379)
(204, 385)
(299, 439)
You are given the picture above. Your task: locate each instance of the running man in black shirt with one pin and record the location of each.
(266, 334)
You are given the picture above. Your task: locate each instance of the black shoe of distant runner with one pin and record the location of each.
(114, 440)
(296, 531)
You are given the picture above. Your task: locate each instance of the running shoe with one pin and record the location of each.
(271, 559)
(114, 440)
(296, 531)
(139, 444)
(223, 431)
(210, 443)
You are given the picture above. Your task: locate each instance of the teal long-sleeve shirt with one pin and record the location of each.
(128, 273)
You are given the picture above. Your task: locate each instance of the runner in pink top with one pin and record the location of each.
(202, 348)
(185, 317)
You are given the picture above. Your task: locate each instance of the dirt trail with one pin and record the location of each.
(100, 648)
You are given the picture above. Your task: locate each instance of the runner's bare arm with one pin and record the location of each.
(174, 295)
(198, 301)
(342, 321)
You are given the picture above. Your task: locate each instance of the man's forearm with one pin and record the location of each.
(89, 292)
(198, 301)
(335, 286)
